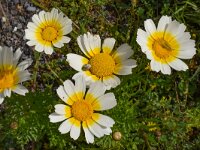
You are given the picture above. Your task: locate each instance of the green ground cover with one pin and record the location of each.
(154, 111)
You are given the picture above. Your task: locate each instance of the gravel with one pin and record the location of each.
(13, 21)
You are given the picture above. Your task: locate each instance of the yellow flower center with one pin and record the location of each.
(82, 110)
(49, 34)
(102, 65)
(164, 46)
(8, 77)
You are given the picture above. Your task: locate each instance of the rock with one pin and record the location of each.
(31, 9)
(19, 26)
(16, 1)
(15, 29)
(8, 43)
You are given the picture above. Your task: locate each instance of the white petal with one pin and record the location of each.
(92, 44)
(32, 43)
(173, 27)
(58, 43)
(33, 27)
(41, 16)
(149, 55)
(103, 120)
(75, 130)
(65, 39)
(180, 30)
(187, 54)
(62, 94)
(165, 69)
(96, 89)
(67, 29)
(123, 70)
(129, 63)
(48, 50)
(30, 35)
(7, 92)
(95, 128)
(60, 109)
(107, 131)
(16, 56)
(179, 65)
(108, 45)
(163, 23)
(142, 39)
(54, 117)
(36, 19)
(105, 102)
(76, 61)
(149, 26)
(88, 135)
(80, 86)
(66, 126)
(155, 66)
(25, 64)
(122, 53)
(39, 47)
(111, 81)
(1, 100)
(80, 42)
(20, 89)
(69, 87)
(23, 76)
(7, 55)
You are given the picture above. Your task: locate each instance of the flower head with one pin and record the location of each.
(12, 73)
(101, 64)
(48, 29)
(165, 44)
(81, 109)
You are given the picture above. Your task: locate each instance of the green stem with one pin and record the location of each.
(53, 72)
(37, 58)
(146, 140)
(195, 74)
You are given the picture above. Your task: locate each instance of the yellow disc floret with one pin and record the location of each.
(102, 65)
(164, 46)
(49, 34)
(82, 110)
(8, 77)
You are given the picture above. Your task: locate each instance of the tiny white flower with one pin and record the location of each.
(81, 110)
(48, 29)
(101, 64)
(165, 44)
(12, 74)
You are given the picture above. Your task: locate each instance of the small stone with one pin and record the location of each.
(15, 29)
(26, 4)
(31, 9)
(13, 12)
(117, 136)
(8, 43)
(3, 19)
(18, 34)
(19, 26)
(16, 1)
(22, 19)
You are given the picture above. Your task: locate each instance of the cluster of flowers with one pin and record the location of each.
(97, 71)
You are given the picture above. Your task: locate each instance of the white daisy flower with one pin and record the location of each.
(12, 73)
(165, 44)
(48, 29)
(101, 65)
(81, 109)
